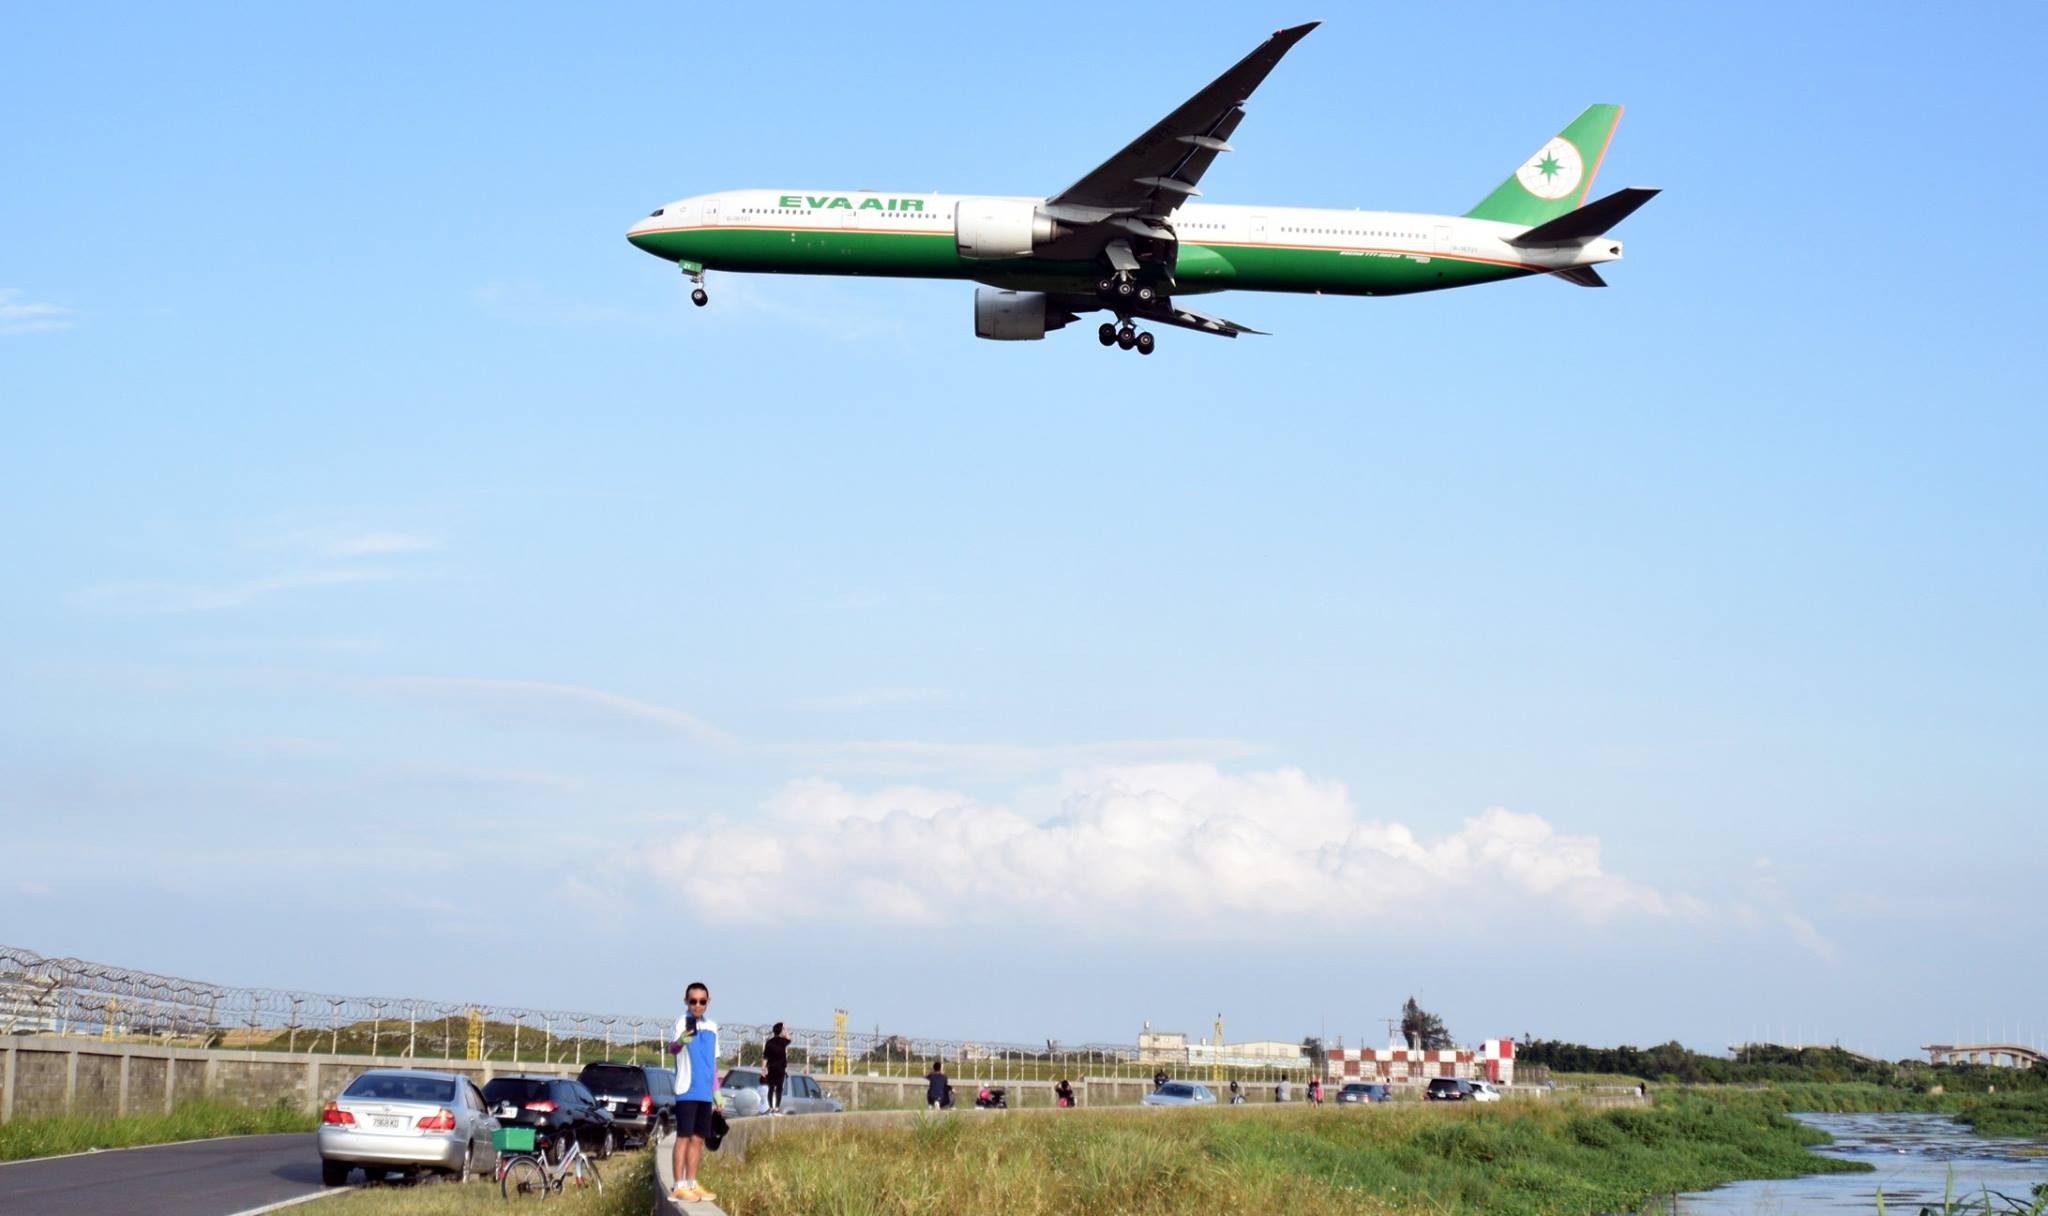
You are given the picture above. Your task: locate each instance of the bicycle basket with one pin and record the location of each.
(513, 1139)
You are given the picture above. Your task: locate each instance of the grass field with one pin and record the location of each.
(628, 1191)
(192, 1121)
(1525, 1159)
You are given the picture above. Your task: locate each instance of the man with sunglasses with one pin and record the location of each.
(696, 1051)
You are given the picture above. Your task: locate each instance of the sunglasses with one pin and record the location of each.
(697, 1000)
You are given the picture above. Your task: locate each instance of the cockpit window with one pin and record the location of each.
(656, 213)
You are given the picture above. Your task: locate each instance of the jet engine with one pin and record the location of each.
(1014, 316)
(1002, 228)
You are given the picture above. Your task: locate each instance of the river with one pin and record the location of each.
(1912, 1155)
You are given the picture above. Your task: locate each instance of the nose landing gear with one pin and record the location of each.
(699, 298)
(696, 273)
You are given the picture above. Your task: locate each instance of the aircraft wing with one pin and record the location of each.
(1160, 312)
(1162, 167)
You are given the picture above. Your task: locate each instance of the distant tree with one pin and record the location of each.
(1312, 1047)
(1423, 1029)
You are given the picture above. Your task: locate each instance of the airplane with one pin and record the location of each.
(1126, 239)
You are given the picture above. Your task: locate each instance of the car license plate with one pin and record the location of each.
(388, 1123)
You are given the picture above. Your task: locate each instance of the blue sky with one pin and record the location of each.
(403, 576)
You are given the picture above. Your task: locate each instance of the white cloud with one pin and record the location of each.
(206, 597)
(379, 544)
(873, 698)
(1166, 850)
(19, 316)
(537, 702)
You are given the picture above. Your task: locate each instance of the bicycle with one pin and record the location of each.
(524, 1172)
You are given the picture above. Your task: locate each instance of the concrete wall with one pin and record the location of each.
(44, 1076)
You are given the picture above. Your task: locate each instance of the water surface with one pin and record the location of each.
(1912, 1155)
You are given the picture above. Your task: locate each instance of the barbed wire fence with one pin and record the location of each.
(69, 996)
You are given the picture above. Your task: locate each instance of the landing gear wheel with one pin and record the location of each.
(1104, 287)
(1125, 289)
(698, 297)
(1145, 295)
(1126, 338)
(1145, 343)
(1107, 334)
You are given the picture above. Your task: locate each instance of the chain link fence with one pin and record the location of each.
(68, 996)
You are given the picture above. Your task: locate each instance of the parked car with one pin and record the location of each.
(1180, 1093)
(555, 1109)
(1458, 1089)
(744, 1093)
(641, 1097)
(405, 1119)
(1364, 1091)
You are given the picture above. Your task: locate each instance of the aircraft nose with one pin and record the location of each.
(643, 228)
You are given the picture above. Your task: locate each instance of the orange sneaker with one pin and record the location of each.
(686, 1193)
(706, 1196)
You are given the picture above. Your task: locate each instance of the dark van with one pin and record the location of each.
(640, 1097)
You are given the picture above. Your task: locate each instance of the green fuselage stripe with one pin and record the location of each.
(928, 254)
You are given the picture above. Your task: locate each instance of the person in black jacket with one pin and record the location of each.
(938, 1092)
(775, 1055)
(1064, 1092)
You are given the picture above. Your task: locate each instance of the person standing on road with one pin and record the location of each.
(1159, 1079)
(935, 1086)
(1315, 1091)
(696, 1050)
(775, 1055)
(1236, 1092)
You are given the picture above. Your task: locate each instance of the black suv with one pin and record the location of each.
(1449, 1089)
(641, 1097)
(555, 1109)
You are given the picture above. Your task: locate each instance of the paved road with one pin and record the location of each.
(203, 1178)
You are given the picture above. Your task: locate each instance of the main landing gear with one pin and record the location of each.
(1123, 286)
(1126, 336)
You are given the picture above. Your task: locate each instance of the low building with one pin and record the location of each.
(1162, 1046)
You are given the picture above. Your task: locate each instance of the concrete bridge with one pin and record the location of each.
(1998, 1055)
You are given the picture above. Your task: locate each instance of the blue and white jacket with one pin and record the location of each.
(696, 1061)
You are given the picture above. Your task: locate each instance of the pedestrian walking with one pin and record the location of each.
(938, 1092)
(775, 1058)
(695, 1047)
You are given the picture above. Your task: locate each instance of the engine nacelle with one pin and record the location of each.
(1001, 228)
(1013, 316)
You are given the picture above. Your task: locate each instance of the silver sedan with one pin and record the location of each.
(1180, 1093)
(405, 1119)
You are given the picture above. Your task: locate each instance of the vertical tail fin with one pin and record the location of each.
(1554, 180)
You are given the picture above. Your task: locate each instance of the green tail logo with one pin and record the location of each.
(1555, 180)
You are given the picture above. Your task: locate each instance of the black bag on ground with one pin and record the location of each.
(718, 1129)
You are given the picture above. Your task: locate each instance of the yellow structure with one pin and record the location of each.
(1216, 1063)
(107, 1021)
(839, 1064)
(476, 1033)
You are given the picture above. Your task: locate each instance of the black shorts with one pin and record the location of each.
(692, 1119)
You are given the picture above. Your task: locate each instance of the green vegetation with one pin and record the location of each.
(1522, 1158)
(628, 1191)
(1673, 1064)
(192, 1121)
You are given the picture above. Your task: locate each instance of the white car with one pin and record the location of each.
(1485, 1091)
(406, 1119)
(1179, 1093)
(743, 1093)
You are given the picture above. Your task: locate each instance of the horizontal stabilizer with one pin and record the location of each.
(1584, 276)
(1590, 221)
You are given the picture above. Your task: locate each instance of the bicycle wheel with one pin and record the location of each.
(524, 1178)
(583, 1173)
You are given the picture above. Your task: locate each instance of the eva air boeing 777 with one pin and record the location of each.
(1126, 239)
